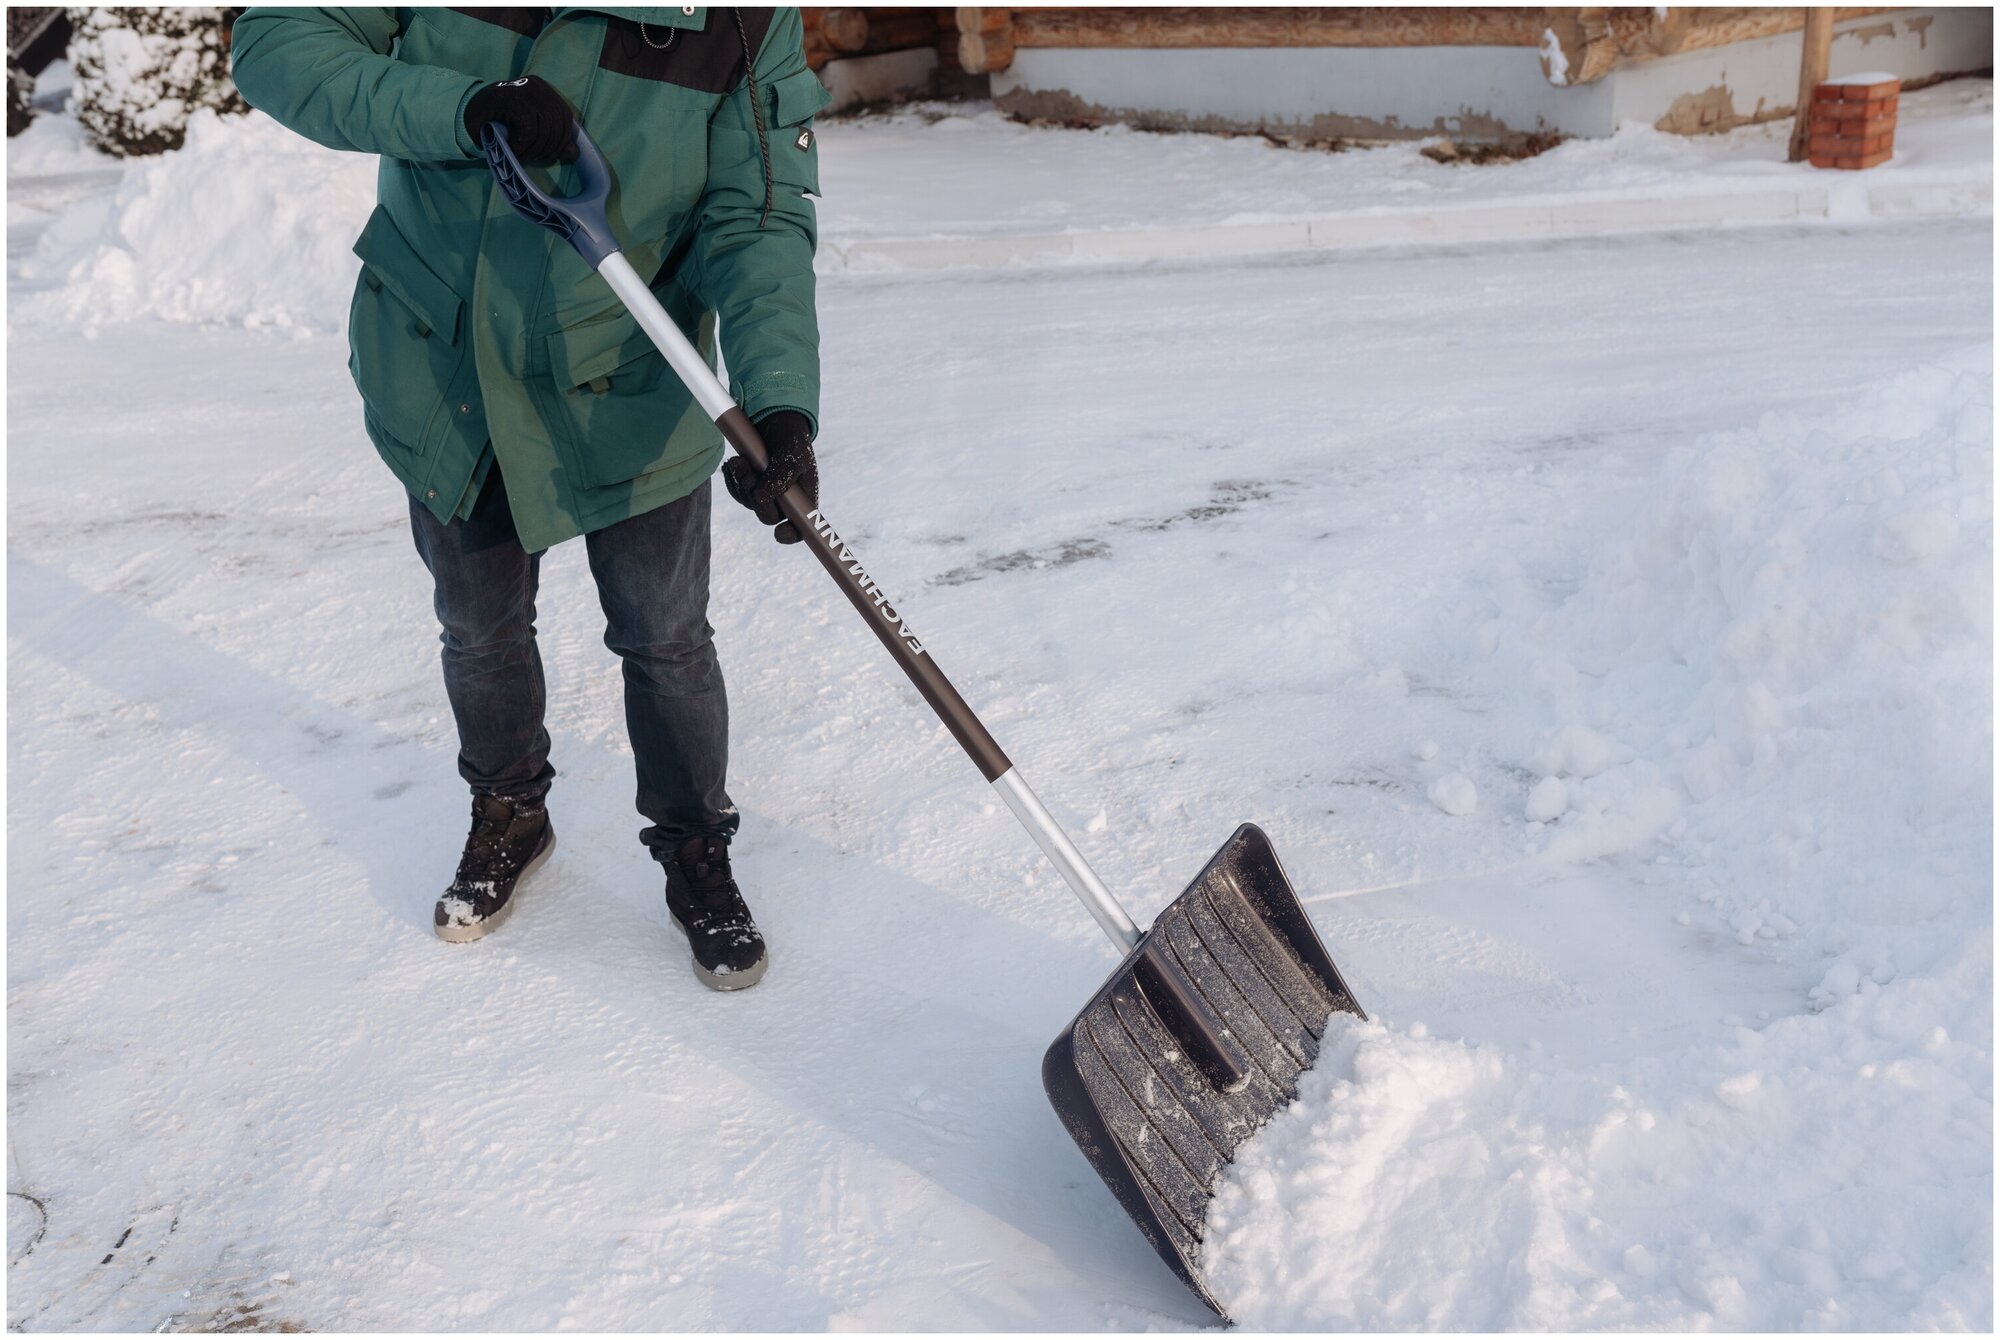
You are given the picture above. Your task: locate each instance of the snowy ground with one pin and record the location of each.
(1698, 526)
(253, 225)
(944, 169)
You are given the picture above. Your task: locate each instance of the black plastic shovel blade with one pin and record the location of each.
(1154, 1107)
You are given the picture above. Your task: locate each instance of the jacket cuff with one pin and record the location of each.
(779, 390)
(812, 421)
(466, 145)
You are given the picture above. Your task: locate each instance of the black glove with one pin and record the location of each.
(788, 439)
(540, 126)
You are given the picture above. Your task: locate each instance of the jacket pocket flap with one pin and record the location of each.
(391, 259)
(597, 346)
(796, 97)
(795, 158)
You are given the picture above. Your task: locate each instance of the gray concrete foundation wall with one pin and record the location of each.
(1754, 81)
(857, 80)
(1467, 92)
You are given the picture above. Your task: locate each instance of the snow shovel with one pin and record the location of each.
(1202, 1032)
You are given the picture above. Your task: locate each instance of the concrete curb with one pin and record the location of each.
(1580, 216)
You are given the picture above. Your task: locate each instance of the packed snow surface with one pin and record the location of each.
(1707, 1046)
(251, 225)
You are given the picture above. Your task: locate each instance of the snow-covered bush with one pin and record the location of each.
(141, 73)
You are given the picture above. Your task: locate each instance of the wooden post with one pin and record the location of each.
(985, 38)
(1817, 52)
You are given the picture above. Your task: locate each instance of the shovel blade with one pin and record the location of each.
(1127, 1077)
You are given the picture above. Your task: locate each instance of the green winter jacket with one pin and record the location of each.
(478, 337)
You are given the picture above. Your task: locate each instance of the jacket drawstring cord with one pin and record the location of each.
(757, 110)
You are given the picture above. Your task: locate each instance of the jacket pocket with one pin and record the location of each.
(626, 413)
(795, 100)
(736, 158)
(797, 97)
(403, 336)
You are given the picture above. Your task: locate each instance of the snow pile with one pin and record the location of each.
(51, 146)
(1808, 1176)
(247, 224)
(1777, 685)
(1785, 670)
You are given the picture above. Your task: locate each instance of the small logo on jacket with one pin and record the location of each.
(805, 139)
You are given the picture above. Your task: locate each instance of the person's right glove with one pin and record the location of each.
(541, 128)
(788, 441)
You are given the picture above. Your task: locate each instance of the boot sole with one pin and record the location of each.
(725, 981)
(464, 935)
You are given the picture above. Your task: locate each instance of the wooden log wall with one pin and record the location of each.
(1276, 26)
(985, 39)
(832, 33)
(1591, 40)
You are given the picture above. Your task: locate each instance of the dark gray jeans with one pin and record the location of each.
(652, 580)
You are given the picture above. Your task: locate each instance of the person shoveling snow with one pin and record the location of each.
(1205, 1028)
(519, 411)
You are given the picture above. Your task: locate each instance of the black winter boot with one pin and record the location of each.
(708, 908)
(509, 841)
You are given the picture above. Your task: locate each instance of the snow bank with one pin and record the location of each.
(247, 224)
(1808, 1176)
(1778, 681)
(1785, 669)
(55, 144)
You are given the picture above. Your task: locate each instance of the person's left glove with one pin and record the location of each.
(541, 128)
(788, 441)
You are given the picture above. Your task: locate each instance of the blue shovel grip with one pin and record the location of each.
(579, 219)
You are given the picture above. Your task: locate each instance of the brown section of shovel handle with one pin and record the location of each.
(908, 651)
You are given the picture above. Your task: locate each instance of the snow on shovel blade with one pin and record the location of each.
(1157, 1106)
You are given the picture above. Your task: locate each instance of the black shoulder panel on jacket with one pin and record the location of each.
(522, 19)
(708, 61)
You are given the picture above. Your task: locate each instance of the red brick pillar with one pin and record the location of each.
(1854, 121)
